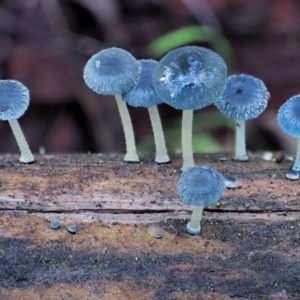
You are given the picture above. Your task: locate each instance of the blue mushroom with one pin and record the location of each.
(289, 121)
(244, 97)
(200, 186)
(189, 78)
(143, 95)
(14, 100)
(114, 71)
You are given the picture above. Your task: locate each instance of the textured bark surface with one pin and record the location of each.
(248, 248)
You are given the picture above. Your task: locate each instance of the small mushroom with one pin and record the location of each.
(72, 229)
(115, 71)
(289, 121)
(55, 224)
(143, 95)
(200, 186)
(189, 78)
(14, 100)
(230, 182)
(244, 97)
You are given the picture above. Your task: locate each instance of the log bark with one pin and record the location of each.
(248, 248)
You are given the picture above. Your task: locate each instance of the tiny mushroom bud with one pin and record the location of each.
(143, 95)
(189, 78)
(289, 121)
(244, 97)
(72, 229)
(14, 100)
(200, 186)
(114, 71)
(230, 182)
(55, 224)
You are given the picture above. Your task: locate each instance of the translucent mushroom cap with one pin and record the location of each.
(244, 97)
(111, 71)
(289, 116)
(190, 77)
(201, 185)
(14, 99)
(143, 94)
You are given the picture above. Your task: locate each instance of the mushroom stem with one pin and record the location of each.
(131, 153)
(296, 166)
(194, 226)
(26, 155)
(159, 139)
(240, 141)
(186, 139)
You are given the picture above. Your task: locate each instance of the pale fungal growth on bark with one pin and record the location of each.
(14, 100)
(289, 121)
(189, 78)
(143, 95)
(244, 97)
(115, 71)
(200, 186)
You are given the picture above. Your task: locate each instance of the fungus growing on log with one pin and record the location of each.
(200, 186)
(14, 100)
(244, 97)
(189, 78)
(143, 95)
(115, 71)
(289, 121)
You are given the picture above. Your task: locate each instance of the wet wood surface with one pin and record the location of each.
(248, 248)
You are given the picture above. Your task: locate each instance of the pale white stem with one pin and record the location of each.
(159, 139)
(131, 153)
(186, 139)
(240, 141)
(296, 166)
(26, 155)
(194, 226)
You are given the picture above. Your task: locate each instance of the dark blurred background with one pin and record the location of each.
(46, 43)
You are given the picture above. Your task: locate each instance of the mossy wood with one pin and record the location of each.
(248, 248)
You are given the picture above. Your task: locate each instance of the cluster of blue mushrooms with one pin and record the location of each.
(116, 72)
(188, 78)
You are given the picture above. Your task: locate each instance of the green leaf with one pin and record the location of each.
(192, 34)
(204, 143)
(211, 119)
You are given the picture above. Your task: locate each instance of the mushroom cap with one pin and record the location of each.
(112, 71)
(201, 185)
(143, 94)
(244, 97)
(14, 99)
(190, 77)
(289, 116)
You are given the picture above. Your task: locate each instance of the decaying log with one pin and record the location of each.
(88, 185)
(248, 248)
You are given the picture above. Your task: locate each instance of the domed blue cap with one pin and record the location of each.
(14, 99)
(143, 93)
(190, 77)
(289, 116)
(244, 97)
(112, 71)
(201, 185)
